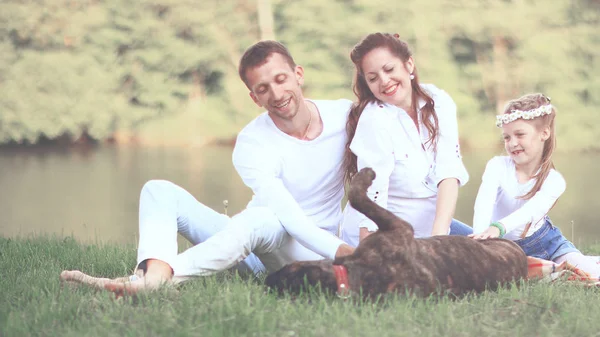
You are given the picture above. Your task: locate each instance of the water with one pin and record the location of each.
(93, 194)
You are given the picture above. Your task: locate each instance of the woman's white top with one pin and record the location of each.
(407, 169)
(497, 199)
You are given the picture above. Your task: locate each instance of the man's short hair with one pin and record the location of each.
(258, 54)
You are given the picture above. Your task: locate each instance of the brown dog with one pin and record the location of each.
(392, 260)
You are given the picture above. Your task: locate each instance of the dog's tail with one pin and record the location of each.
(384, 219)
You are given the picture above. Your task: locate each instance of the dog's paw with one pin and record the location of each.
(367, 173)
(359, 184)
(363, 179)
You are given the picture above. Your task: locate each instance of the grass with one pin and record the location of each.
(33, 303)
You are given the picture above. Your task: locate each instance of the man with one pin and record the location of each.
(290, 156)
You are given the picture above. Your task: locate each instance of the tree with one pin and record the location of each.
(165, 71)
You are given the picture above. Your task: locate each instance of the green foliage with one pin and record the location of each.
(167, 69)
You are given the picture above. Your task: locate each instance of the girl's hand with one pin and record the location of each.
(490, 233)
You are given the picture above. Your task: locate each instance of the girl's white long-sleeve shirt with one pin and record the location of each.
(408, 170)
(498, 199)
(301, 181)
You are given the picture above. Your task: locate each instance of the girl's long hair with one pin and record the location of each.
(364, 95)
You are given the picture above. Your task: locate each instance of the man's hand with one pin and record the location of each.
(344, 250)
(491, 232)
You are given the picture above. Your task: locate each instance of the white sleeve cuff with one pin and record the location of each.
(454, 169)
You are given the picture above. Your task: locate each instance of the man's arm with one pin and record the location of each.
(260, 171)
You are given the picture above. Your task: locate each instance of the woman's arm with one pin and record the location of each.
(363, 233)
(450, 172)
(445, 206)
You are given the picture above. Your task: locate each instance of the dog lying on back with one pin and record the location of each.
(392, 260)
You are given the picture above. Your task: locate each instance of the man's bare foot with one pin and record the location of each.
(144, 284)
(78, 277)
(158, 274)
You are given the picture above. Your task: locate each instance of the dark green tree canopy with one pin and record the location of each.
(165, 71)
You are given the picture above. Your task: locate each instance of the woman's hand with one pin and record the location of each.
(364, 232)
(490, 233)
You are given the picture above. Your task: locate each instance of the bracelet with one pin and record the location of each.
(500, 228)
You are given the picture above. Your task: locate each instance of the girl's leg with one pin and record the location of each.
(582, 262)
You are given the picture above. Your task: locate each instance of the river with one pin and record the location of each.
(92, 193)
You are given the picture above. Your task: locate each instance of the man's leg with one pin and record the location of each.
(255, 229)
(165, 210)
(288, 252)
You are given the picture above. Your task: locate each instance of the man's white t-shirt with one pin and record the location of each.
(301, 181)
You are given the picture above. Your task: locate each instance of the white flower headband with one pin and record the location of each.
(527, 114)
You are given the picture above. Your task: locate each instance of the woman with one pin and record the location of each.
(408, 133)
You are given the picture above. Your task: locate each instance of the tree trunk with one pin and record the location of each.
(502, 81)
(265, 20)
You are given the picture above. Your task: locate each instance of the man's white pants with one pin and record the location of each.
(220, 242)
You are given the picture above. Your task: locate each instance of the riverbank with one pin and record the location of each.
(33, 303)
(190, 129)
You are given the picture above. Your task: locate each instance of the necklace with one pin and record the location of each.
(307, 125)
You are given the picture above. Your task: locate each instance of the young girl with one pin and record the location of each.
(518, 190)
(407, 133)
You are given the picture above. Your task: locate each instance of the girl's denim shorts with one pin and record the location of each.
(546, 243)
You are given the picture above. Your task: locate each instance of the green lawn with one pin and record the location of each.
(33, 303)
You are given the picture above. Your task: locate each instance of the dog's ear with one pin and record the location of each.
(277, 280)
(310, 277)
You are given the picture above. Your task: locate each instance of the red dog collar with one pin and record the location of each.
(341, 277)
